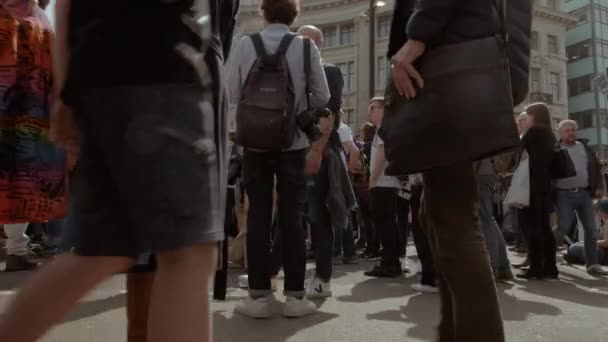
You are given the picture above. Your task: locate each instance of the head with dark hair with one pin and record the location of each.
(280, 11)
(43, 3)
(539, 114)
(368, 130)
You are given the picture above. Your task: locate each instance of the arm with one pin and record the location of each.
(335, 82)
(378, 165)
(604, 242)
(429, 19)
(318, 82)
(60, 44)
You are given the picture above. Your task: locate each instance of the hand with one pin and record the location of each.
(355, 166)
(64, 133)
(599, 194)
(602, 243)
(403, 71)
(313, 163)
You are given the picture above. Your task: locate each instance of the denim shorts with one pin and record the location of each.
(147, 179)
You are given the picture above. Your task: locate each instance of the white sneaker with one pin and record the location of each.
(298, 307)
(255, 308)
(318, 289)
(404, 267)
(425, 288)
(244, 282)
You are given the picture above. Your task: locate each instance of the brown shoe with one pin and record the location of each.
(17, 263)
(139, 290)
(504, 276)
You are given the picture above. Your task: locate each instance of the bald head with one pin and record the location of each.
(313, 33)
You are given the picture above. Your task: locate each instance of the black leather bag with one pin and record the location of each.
(562, 165)
(464, 113)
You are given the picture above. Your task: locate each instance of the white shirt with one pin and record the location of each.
(346, 135)
(384, 181)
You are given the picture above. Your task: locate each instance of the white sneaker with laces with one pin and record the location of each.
(596, 270)
(425, 288)
(244, 282)
(295, 308)
(255, 308)
(318, 289)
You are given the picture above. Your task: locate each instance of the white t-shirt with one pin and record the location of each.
(346, 135)
(384, 181)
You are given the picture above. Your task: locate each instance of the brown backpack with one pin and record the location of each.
(265, 118)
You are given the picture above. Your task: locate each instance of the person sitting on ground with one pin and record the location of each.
(576, 252)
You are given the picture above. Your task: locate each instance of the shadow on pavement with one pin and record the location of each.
(571, 291)
(230, 327)
(96, 307)
(517, 309)
(378, 288)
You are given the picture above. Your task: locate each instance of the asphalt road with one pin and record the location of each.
(574, 309)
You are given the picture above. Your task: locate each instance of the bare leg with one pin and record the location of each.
(52, 292)
(139, 291)
(179, 310)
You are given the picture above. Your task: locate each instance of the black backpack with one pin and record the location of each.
(265, 118)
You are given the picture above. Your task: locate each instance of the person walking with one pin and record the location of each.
(121, 112)
(33, 170)
(288, 163)
(466, 282)
(575, 195)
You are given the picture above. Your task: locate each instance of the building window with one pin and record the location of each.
(381, 73)
(347, 34)
(534, 41)
(384, 27)
(330, 36)
(348, 72)
(579, 85)
(553, 48)
(552, 4)
(534, 80)
(349, 118)
(584, 119)
(555, 86)
(579, 51)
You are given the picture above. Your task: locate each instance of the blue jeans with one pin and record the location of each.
(495, 241)
(570, 204)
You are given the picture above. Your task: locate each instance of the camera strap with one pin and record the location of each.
(307, 70)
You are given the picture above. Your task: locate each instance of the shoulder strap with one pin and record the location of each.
(307, 70)
(284, 45)
(258, 44)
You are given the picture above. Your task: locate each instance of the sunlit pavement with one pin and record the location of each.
(574, 309)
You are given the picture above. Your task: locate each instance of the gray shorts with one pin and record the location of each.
(147, 179)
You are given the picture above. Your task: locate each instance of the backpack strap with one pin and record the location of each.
(307, 70)
(258, 44)
(260, 49)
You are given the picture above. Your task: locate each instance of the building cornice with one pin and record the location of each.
(551, 14)
(304, 5)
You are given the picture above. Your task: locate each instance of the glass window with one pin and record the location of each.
(384, 27)
(584, 119)
(348, 72)
(534, 80)
(555, 86)
(552, 4)
(579, 51)
(579, 85)
(552, 45)
(347, 34)
(534, 41)
(350, 118)
(381, 73)
(330, 36)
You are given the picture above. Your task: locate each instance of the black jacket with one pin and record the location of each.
(335, 82)
(594, 169)
(539, 142)
(439, 22)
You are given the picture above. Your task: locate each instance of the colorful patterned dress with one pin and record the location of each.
(33, 182)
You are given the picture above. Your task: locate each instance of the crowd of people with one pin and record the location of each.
(140, 147)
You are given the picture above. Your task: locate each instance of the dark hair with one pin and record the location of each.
(280, 11)
(368, 130)
(540, 112)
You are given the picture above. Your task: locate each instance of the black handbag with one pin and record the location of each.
(562, 165)
(464, 113)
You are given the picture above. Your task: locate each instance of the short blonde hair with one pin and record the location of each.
(565, 123)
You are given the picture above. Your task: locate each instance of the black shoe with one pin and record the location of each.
(16, 263)
(385, 272)
(530, 275)
(351, 260)
(360, 244)
(372, 255)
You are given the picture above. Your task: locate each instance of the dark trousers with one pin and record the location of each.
(539, 236)
(403, 224)
(321, 230)
(367, 231)
(467, 288)
(421, 241)
(259, 171)
(384, 213)
(344, 242)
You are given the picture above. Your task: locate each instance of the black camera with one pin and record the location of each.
(308, 120)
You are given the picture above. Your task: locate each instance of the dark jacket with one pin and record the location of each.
(540, 143)
(440, 22)
(335, 81)
(596, 179)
